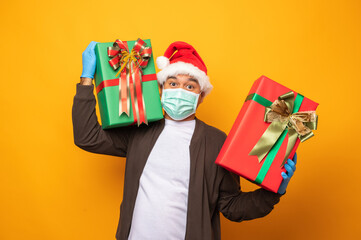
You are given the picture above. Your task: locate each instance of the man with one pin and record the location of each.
(172, 187)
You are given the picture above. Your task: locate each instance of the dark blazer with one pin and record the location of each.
(212, 189)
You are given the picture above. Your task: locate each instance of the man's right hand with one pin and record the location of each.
(89, 64)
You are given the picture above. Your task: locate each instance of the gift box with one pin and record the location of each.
(267, 131)
(126, 83)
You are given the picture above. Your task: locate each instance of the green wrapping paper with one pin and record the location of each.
(108, 94)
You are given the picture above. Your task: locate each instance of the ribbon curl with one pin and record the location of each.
(283, 116)
(130, 79)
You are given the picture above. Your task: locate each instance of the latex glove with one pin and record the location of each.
(290, 166)
(89, 61)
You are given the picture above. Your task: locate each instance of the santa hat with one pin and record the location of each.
(185, 61)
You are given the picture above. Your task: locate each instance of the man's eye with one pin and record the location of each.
(172, 84)
(189, 86)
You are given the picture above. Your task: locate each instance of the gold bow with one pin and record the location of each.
(127, 57)
(298, 124)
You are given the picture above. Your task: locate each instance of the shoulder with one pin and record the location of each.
(212, 132)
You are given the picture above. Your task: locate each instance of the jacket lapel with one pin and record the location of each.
(195, 191)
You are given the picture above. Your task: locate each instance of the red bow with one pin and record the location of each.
(130, 80)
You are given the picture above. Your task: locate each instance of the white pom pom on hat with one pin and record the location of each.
(162, 62)
(185, 61)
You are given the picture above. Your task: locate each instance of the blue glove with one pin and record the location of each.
(89, 61)
(290, 166)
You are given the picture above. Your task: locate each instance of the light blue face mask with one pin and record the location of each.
(179, 103)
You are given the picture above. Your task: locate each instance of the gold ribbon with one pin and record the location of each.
(298, 124)
(127, 58)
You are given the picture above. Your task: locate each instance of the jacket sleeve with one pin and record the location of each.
(238, 206)
(88, 133)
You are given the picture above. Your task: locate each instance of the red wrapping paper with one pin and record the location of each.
(247, 130)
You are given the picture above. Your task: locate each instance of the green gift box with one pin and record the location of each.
(108, 89)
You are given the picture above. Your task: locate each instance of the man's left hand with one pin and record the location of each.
(290, 166)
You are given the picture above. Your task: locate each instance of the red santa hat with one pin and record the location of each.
(185, 61)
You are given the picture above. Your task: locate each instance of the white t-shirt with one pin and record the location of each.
(160, 210)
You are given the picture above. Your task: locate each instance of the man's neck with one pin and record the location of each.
(191, 117)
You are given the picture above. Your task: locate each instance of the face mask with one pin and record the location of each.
(179, 103)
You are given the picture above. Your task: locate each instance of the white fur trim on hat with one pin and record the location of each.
(162, 62)
(185, 68)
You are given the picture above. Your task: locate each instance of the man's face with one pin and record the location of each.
(185, 82)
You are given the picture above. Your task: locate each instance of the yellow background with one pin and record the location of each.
(50, 189)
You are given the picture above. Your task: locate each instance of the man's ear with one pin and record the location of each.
(201, 97)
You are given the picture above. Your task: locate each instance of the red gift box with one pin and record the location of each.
(251, 126)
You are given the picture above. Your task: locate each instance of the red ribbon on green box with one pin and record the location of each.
(285, 119)
(131, 76)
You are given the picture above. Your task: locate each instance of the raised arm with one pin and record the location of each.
(88, 134)
(238, 206)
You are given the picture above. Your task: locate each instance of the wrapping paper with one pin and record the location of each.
(246, 131)
(107, 85)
